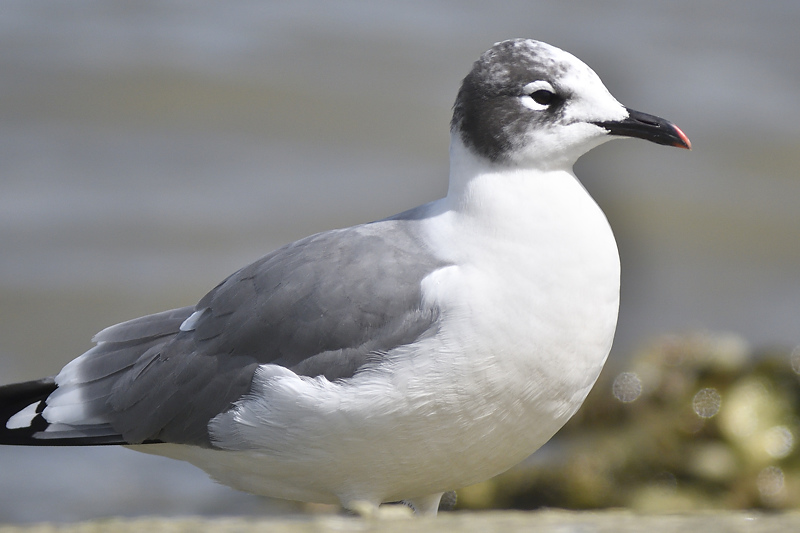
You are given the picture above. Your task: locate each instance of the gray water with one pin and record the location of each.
(149, 149)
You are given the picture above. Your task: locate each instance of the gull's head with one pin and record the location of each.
(528, 104)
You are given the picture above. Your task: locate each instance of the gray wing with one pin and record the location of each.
(324, 305)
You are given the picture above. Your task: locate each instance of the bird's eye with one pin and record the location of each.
(538, 95)
(543, 97)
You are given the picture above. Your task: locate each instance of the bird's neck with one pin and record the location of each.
(496, 193)
(534, 217)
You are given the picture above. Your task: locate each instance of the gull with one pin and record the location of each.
(393, 360)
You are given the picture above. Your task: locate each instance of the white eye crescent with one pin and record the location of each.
(538, 95)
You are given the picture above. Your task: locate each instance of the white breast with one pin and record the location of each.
(530, 306)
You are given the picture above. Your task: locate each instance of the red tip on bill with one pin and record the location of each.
(684, 139)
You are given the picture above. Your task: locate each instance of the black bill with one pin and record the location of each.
(648, 127)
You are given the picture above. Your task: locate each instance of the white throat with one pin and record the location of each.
(509, 199)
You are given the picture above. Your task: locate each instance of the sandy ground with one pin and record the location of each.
(617, 521)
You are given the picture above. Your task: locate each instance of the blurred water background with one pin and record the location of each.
(148, 149)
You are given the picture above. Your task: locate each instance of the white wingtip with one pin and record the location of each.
(24, 418)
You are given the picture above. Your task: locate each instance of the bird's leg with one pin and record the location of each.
(448, 501)
(426, 505)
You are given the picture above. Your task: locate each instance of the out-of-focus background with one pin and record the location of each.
(149, 149)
